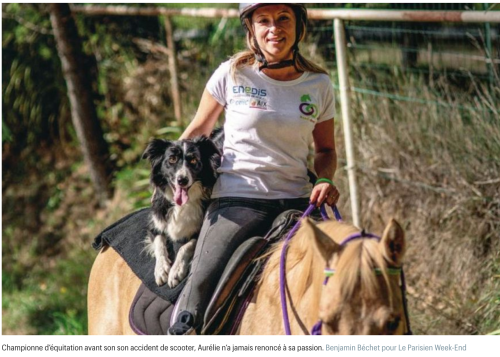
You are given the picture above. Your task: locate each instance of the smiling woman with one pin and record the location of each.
(293, 15)
(274, 29)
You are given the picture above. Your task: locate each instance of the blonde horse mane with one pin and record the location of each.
(305, 267)
(355, 268)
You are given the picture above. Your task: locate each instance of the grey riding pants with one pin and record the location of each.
(228, 223)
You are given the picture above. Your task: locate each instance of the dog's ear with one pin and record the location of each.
(215, 161)
(155, 150)
(210, 151)
(207, 146)
(217, 136)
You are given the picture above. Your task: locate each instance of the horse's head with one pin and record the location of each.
(363, 296)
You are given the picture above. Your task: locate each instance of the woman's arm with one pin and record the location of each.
(325, 163)
(204, 121)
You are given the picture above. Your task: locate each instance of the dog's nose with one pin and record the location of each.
(182, 181)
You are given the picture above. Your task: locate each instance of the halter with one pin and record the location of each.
(316, 329)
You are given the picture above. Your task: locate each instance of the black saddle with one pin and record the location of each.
(153, 305)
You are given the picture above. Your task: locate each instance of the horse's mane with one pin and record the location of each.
(300, 254)
(354, 268)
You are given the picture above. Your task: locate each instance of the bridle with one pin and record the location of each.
(316, 329)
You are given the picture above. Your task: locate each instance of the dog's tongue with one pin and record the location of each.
(180, 196)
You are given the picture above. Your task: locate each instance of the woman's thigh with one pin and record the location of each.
(224, 229)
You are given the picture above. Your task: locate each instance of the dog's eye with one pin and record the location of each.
(172, 159)
(193, 161)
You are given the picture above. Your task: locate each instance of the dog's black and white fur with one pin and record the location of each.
(183, 174)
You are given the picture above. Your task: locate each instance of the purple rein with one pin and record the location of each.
(284, 308)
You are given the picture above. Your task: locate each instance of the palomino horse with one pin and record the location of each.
(362, 297)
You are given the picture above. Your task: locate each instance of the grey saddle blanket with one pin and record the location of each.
(149, 314)
(127, 236)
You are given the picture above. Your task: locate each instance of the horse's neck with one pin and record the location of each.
(304, 284)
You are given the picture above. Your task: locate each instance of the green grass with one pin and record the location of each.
(49, 300)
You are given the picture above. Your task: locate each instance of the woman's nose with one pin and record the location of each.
(273, 26)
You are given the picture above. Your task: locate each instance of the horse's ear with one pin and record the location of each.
(324, 245)
(393, 243)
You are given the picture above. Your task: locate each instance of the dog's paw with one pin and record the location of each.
(162, 269)
(177, 274)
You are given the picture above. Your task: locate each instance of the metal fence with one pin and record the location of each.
(423, 47)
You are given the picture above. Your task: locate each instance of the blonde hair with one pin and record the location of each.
(247, 57)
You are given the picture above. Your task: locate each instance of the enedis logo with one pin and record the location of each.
(309, 109)
(249, 91)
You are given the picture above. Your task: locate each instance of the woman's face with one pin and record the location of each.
(274, 28)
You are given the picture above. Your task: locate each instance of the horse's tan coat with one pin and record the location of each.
(112, 287)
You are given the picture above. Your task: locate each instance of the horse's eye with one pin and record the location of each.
(172, 159)
(392, 325)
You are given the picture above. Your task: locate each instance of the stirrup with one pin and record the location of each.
(184, 325)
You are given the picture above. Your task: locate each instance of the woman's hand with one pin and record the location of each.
(325, 192)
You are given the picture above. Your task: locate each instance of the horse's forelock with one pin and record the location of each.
(355, 269)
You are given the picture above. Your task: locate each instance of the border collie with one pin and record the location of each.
(182, 174)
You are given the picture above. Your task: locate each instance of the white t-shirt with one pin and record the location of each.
(268, 130)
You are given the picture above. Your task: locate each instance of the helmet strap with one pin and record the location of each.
(277, 65)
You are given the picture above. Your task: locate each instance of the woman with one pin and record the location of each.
(275, 103)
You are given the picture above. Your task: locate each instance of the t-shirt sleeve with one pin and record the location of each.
(217, 84)
(327, 110)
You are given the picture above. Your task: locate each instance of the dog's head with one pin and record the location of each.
(178, 165)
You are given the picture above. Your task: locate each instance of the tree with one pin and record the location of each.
(77, 74)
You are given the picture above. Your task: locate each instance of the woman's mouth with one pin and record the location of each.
(275, 40)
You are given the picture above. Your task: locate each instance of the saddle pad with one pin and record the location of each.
(150, 314)
(127, 236)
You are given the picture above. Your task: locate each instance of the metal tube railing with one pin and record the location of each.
(313, 14)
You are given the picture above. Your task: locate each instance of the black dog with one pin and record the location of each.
(183, 174)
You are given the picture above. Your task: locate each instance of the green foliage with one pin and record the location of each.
(6, 134)
(32, 84)
(135, 180)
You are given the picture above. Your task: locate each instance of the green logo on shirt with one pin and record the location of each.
(307, 108)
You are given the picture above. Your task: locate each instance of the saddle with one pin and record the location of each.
(153, 305)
